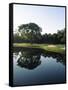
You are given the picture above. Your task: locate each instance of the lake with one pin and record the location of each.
(36, 66)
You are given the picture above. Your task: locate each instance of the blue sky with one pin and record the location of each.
(50, 19)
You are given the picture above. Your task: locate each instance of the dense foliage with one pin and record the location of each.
(32, 33)
(56, 38)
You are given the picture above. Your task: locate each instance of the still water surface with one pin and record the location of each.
(35, 66)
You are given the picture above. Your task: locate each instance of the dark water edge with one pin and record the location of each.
(36, 66)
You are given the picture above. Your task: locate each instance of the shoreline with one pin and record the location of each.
(47, 47)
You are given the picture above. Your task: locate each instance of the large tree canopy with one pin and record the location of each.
(30, 27)
(30, 32)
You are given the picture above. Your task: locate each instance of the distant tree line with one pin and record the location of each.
(31, 33)
(56, 38)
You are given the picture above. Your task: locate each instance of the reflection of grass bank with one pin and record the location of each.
(58, 48)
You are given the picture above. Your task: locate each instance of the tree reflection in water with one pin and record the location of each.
(30, 58)
(59, 57)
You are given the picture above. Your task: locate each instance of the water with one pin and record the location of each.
(35, 66)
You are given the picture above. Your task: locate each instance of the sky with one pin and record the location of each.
(50, 19)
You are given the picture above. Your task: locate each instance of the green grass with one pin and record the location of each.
(58, 48)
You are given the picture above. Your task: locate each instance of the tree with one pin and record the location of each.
(61, 36)
(55, 38)
(30, 32)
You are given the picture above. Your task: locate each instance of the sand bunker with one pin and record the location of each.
(63, 48)
(51, 46)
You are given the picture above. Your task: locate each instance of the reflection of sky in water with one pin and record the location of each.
(49, 71)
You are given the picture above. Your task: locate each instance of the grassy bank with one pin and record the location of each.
(58, 48)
